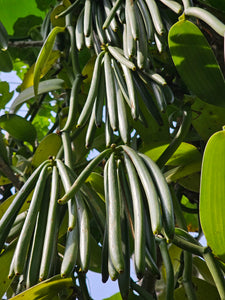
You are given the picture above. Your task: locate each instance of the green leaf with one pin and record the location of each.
(114, 297)
(185, 154)
(191, 182)
(45, 86)
(49, 146)
(96, 181)
(4, 180)
(95, 256)
(218, 4)
(5, 261)
(4, 206)
(11, 11)
(48, 289)
(5, 94)
(18, 127)
(23, 26)
(196, 63)
(3, 37)
(45, 5)
(203, 269)
(44, 56)
(203, 289)
(191, 219)
(206, 118)
(212, 191)
(41, 124)
(5, 61)
(182, 171)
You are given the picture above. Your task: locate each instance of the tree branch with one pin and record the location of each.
(25, 44)
(7, 171)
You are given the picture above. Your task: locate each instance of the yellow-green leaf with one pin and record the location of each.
(203, 289)
(48, 289)
(44, 55)
(49, 146)
(29, 76)
(96, 180)
(5, 261)
(212, 191)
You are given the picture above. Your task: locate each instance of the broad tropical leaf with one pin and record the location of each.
(212, 191)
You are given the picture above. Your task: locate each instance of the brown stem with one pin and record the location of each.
(7, 171)
(25, 44)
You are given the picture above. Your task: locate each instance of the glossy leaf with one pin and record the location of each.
(49, 288)
(45, 86)
(212, 191)
(18, 127)
(196, 63)
(44, 56)
(49, 146)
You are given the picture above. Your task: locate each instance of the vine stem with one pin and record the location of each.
(216, 272)
(178, 139)
(187, 272)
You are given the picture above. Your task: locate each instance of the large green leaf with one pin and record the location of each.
(196, 62)
(23, 26)
(203, 269)
(212, 191)
(206, 118)
(95, 256)
(218, 4)
(5, 261)
(96, 181)
(49, 146)
(203, 289)
(44, 86)
(14, 9)
(18, 127)
(48, 289)
(4, 206)
(114, 297)
(6, 64)
(185, 154)
(5, 94)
